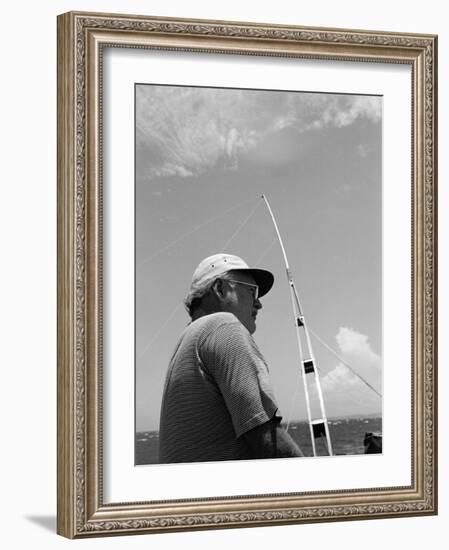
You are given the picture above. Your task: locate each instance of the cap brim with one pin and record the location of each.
(264, 279)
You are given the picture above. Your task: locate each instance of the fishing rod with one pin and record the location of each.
(318, 427)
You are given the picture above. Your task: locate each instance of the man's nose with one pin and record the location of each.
(258, 303)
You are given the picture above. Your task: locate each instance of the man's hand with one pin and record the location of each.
(270, 440)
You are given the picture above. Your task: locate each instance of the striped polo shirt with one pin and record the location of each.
(217, 388)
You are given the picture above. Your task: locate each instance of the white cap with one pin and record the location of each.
(212, 267)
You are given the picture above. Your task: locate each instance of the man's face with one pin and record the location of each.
(239, 298)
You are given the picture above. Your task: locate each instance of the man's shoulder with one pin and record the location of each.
(215, 320)
(221, 324)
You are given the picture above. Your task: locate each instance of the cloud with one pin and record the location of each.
(352, 342)
(183, 131)
(186, 131)
(337, 111)
(344, 392)
(360, 107)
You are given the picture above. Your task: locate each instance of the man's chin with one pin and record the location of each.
(252, 326)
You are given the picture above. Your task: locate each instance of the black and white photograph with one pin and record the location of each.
(246, 274)
(258, 274)
(224, 273)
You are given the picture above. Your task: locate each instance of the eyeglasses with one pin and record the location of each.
(253, 288)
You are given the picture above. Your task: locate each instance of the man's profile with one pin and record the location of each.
(218, 403)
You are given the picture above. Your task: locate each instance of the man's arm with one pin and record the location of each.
(270, 440)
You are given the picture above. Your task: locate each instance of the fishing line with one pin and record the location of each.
(176, 309)
(245, 221)
(159, 331)
(191, 231)
(322, 342)
(269, 247)
(329, 348)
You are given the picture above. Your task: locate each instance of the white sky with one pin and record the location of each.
(204, 156)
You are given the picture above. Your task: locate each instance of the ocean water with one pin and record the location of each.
(347, 436)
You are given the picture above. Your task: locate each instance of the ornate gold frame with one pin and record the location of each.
(81, 37)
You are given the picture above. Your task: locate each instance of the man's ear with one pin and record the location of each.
(218, 289)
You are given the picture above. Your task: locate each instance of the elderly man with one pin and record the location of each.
(218, 403)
